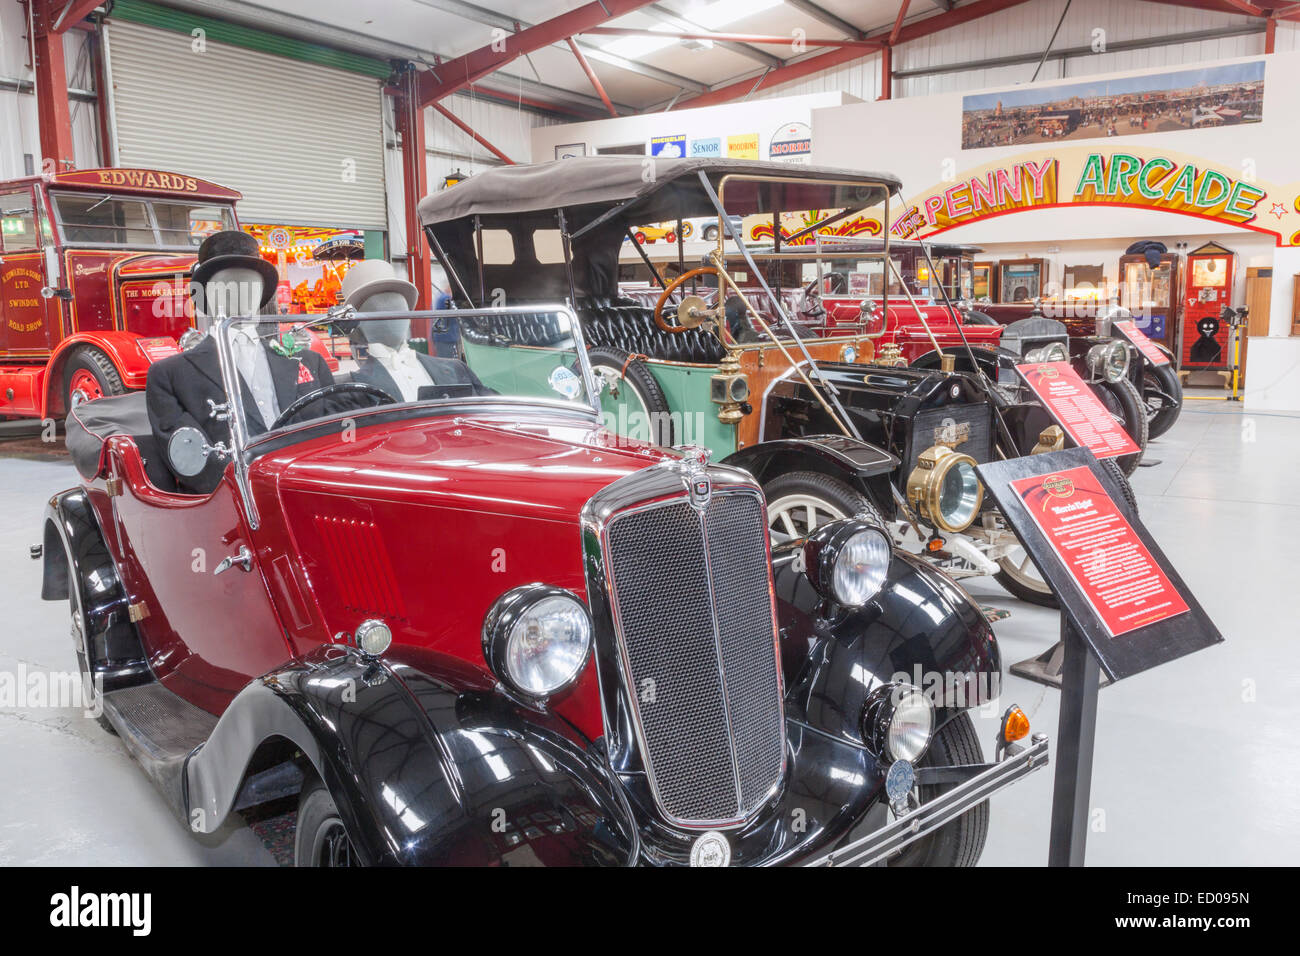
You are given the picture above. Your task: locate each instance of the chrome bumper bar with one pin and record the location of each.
(930, 816)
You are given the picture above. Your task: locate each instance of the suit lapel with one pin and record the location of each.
(379, 376)
(204, 358)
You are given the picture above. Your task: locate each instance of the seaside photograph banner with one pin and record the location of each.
(1097, 109)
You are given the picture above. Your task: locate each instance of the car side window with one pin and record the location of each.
(18, 232)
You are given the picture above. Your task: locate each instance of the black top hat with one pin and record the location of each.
(234, 249)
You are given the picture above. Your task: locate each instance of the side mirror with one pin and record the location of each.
(187, 450)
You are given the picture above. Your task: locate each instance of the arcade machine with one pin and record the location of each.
(1149, 288)
(1209, 322)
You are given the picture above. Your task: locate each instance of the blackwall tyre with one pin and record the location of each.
(799, 501)
(89, 374)
(960, 842)
(631, 397)
(1159, 381)
(1125, 402)
(320, 839)
(80, 637)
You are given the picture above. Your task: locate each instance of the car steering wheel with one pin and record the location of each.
(810, 304)
(338, 388)
(673, 287)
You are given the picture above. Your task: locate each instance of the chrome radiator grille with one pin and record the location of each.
(694, 621)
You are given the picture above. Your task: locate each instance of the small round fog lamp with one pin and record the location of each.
(373, 638)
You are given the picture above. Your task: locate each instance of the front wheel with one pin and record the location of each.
(320, 839)
(1162, 393)
(89, 374)
(798, 502)
(960, 842)
(1124, 402)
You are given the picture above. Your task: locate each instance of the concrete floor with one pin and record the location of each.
(1197, 762)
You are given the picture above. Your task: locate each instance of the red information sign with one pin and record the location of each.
(1144, 344)
(1070, 401)
(1100, 550)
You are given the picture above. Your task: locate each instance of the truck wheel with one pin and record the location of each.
(320, 839)
(799, 501)
(1159, 381)
(1125, 403)
(960, 842)
(88, 375)
(632, 396)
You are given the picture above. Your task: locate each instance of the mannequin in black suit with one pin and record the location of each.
(230, 278)
(384, 359)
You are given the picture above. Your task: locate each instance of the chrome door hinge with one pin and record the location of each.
(137, 612)
(113, 485)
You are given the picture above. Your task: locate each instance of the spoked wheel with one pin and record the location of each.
(960, 842)
(1162, 394)
(321, 839)
(799, 502)
(1021, 577)
(631, 396)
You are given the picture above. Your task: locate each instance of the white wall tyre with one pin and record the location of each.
(801, 501)
(1021, 577)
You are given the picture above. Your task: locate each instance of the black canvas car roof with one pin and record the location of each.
(663, 188)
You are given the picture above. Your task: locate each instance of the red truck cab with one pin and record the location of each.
(94, 268)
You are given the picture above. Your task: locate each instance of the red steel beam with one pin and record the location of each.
(1270, 34)
(415, 186)
(54, 115)
(755, 38)
(832, 58)
(454, 75)
(469, 131)
(72, 13)
(591, 76)
(898, 21)
(886, 74)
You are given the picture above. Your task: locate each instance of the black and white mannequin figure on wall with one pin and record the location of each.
(387, 359)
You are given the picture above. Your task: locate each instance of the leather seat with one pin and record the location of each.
(623, 323)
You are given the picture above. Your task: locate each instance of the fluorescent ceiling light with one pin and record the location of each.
(719, 13)
(634, 47)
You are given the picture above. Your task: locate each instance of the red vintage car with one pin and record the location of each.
(94, 280)
(479, 628)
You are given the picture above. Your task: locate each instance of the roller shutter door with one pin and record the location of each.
(302, 142)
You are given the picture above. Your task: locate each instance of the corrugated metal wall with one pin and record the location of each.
(1026, 30)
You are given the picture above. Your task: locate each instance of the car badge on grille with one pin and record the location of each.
(951, 433)
(711, 849)
(694, 468)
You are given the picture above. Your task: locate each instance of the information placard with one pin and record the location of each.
(1074, 406)
(1099, 549)
(1116, 587)
(1128, 328)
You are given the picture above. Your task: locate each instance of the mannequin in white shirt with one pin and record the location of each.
(237, 291)
(386, 341)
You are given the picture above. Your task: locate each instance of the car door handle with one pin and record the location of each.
(244, 559)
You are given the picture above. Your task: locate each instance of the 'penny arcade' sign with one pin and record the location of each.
(1164, 181)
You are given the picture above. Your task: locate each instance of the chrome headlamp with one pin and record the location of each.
(944, 488)
(847, 561)
(536, 639)
(1109, 360)
(898, 722)
(1052, 352)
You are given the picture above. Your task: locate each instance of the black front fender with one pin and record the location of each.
(427, 762)
(921, 628)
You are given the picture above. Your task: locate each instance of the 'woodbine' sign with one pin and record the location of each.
(1081, 176)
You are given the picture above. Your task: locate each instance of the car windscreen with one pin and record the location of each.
(344, 364)
(107, 219)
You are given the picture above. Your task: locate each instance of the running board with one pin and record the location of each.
(160, 730)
